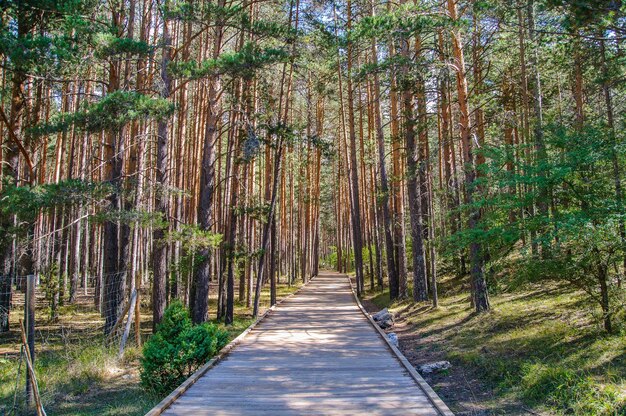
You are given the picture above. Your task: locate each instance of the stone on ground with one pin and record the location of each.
(435, 367)
(383, 318)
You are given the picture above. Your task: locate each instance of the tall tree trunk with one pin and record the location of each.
(420, 285)
(382, 172)
(617, 179)
(354, 178)
(159, 249)
(114, 280)
(200, 304)
(10, 167)
(530, 210)
(479, 285)
(232, 235)
(400, 291)
(267, 228)
(540, 147)
(200, 286)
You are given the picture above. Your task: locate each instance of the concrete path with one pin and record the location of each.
(315, 354)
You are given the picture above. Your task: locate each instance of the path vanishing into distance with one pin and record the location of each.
(315, 353)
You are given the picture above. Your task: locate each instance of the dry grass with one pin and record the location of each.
(77, 373)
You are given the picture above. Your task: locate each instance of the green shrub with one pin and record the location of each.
(177, 349)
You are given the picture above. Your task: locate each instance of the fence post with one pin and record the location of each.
(6, 282)
(29, 318)
(129, 322)
(138, 311)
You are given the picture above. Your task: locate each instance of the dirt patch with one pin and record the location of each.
(460, 388)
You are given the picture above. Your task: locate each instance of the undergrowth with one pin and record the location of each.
(82, 376)
(542, 345)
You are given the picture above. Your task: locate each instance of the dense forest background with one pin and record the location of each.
(208, 150)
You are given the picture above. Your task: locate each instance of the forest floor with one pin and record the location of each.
(541, 351)
(79, 375)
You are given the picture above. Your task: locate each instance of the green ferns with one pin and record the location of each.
(178, 349)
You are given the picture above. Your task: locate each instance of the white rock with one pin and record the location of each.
(380, 314)
(393, 338)
(384, 318)
(434, 367)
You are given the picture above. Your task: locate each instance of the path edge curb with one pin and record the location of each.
(180, 390)
(433, 397)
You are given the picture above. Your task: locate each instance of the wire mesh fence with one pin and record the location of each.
(104, 315)
(87, 327)
(55, 309)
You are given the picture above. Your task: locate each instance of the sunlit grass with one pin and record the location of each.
(78, 375)
(539, 345)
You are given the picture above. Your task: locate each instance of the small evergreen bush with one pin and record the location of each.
(177, 349)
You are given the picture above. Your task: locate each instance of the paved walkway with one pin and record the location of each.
(315, 354)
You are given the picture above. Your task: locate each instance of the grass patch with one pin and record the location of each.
(78, 374)
(569, 391)
(79, 379)
(378, 298)
(540, 345)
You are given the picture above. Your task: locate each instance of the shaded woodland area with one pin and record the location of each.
(196, 149)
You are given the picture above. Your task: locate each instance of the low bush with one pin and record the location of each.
(177, 349)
